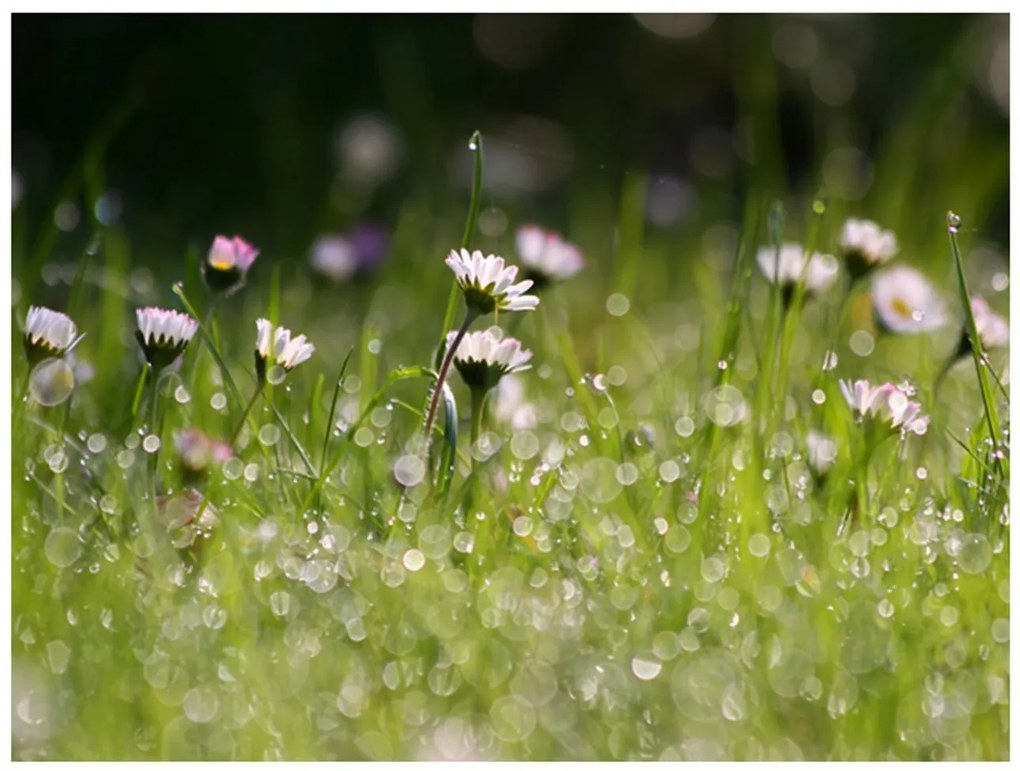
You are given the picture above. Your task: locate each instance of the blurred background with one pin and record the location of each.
(177, 127)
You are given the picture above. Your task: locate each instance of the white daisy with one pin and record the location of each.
(163, 334)
(546, 256)
(47, 333)
(488, 283)
(482, 358)
(885, 404)
(905, 302)
(865, 245)
(792, 265)
(285, 351)
(992, 328)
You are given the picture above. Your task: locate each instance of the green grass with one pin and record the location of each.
(627, 579)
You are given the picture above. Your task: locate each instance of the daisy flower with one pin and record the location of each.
(482, 358)
(334, 257)
(546, 257)
(488, 283)
(278, 345)
(163, 334)
(887, 404)
(47, 334)
(992, 328)
(905, 303)
(791, 265)
(821, 451)
(199, 451)
(865, 245)
(227, 263)
(340, 256)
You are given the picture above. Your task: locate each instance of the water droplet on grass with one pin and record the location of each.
(409, 470)
(96, 443)
(512, 720)
(975, 554)
(598, 480)
(617, 304)
(51, 382)
(63, 547)
(645, 668)
(151, 443)
(201, 704)
(524, 445)
(269, 434)
(414, 560)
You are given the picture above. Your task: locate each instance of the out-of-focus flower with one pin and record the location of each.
(334, 257)
(368, 149)
(163, 334)
(276, 346)
(482, 358)
(792, 265)
(48, 333)
(546, 257)
(904, 301)
(821, 451)
(488, 283)
(511, 406)
(887, 404)
(199, 451)
(865, 245)
(992, 328)
(340, 256)
(228, 263)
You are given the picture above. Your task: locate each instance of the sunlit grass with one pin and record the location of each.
(638, 560)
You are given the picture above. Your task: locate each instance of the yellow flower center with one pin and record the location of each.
(902, 307)
(222, 262)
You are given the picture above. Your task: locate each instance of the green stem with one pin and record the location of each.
(136, 402)
(477, 405)
(977, 350)
(153, 429)
(437, 389)
(469, 229)
(247, 410)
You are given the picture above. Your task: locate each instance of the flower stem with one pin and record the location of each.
(976, 349)
(247, 411)
(136, 402)
(469, 227)
(477, 404)
(437, 389)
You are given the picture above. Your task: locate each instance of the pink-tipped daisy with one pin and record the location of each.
(992, 328)
(163, 334)
(545, 256)
(48, 334)
(482, 358)
(488, 283)
(228, 263)
(886, 404)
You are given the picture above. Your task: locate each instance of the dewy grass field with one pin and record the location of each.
(731, 490)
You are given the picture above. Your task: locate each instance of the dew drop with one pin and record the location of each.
(63, 547)
(645, 668)
(409, 470)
